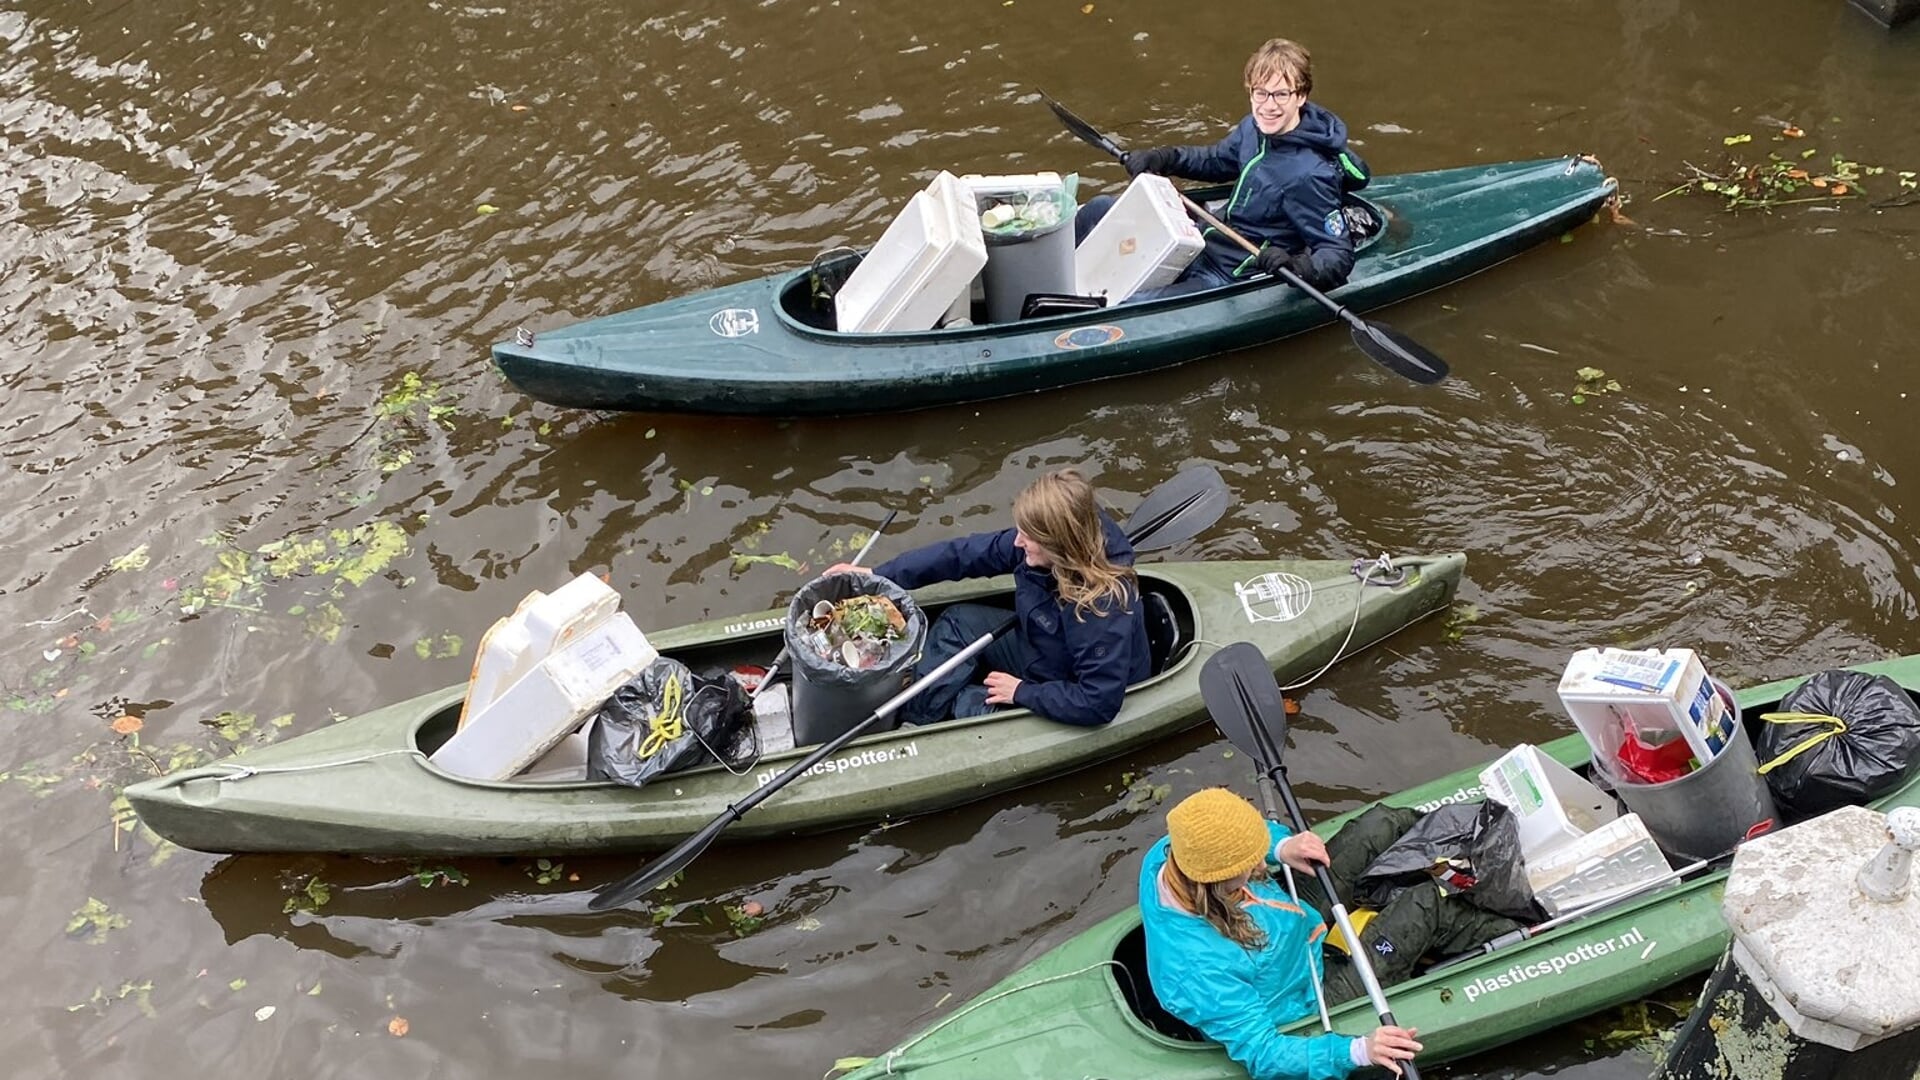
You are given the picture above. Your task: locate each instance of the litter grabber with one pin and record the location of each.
(1172, 513)
(1245, 702)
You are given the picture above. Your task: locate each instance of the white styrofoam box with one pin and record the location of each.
(566, 761)
(927, 256)
(1606, 862)
(547, 702)
(540, 623)
(1551, 804)
(1661, 693)
(1144, 241)
(773, 719)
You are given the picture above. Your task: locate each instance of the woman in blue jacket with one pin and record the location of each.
(1289, 163)
(1080, 637)
(1234, 955)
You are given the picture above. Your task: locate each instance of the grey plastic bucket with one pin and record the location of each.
(1020, 264)
(1704, 813)
(828, 697)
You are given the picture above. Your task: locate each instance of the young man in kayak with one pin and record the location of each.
(1230, 953)
(1080, 637)
(1289, 163)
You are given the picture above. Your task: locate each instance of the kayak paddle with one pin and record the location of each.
(1246, 705)
(781, 656)
(1172, 513)
(1382, 344)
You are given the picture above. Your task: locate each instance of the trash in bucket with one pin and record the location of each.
(1704, 813)
(853, 638)
(1024, 221)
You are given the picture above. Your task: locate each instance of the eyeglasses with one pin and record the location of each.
(1262, 95)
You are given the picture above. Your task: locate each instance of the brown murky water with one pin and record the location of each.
(250, 260)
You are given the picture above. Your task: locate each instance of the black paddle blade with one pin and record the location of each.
(650, 876)
(1178, 510)
(1398, 353)
(1082, 130)
(1245, 703)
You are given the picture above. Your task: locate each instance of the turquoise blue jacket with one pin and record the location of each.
(1238, 997)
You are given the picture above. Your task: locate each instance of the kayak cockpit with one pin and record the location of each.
(1129, 974)
(1171, 632)
(806, 298)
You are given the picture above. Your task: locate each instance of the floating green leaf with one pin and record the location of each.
(310, 895)
(444, 646)
(782, 559)
(95, 920)
(430, 876)
(132, 560)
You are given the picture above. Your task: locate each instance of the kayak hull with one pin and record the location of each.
(760, 347)
(366, 786)
(1068, 1013)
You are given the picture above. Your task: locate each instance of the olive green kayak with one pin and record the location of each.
(365, 785)
(767, 346)
(1077, 1010)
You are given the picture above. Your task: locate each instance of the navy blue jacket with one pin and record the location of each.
(1078, 668)
(1287, 190)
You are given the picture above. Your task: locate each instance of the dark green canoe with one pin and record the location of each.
(762, 346)
(1086, 1008)
(365, 785)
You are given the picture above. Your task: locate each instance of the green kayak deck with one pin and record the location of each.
(767, 346)
(1074, 1011)
(365, 785)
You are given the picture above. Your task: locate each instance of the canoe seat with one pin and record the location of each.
(1165, 640)
(1130, 974)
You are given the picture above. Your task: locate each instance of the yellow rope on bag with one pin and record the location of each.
(669, 723)
(1359, 917)
(1838, 727)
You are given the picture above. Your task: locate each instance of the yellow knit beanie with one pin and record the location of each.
(1216, 835)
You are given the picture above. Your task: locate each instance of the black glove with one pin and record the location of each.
(1273, 259)
(1160, 159)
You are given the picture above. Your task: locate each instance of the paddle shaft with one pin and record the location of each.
(781, 657)
(1287, 275)
(1361, 965)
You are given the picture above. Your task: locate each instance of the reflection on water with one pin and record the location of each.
(263, 475)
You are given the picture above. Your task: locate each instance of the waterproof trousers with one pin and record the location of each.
(1421, 921)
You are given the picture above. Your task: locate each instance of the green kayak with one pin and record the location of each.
(365, 785)
(1086, 1008)
(767, 346)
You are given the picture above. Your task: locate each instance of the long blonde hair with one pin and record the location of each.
(1218, 903)
(1057, 512)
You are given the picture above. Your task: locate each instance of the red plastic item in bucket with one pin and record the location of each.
(1650, 764)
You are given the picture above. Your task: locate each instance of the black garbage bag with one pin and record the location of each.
(666, 719)
(1480, 845)
(1841, 737)
(829, 696)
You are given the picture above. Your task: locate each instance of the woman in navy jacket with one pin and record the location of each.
(1080, 637)
(1289, 163)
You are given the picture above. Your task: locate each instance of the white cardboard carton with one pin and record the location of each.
(1144, 241)
(1606, 862)
(1660, 693)
(1551, 804)
(539, 673)
(928, 256)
